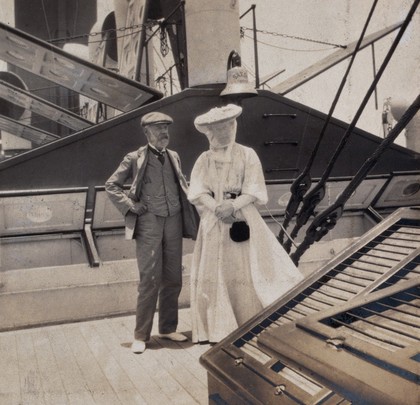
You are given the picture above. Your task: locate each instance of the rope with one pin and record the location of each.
(46, 19)
(302, 183)
(281, 226)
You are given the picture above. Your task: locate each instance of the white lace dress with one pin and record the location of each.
(233, 281)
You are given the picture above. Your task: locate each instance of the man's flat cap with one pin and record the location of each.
(156, 117)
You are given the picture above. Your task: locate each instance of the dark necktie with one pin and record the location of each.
(160, 155)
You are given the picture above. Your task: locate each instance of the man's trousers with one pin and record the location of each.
(159, 259)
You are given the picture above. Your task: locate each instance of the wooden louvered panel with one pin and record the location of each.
(316, 303)
(324, 297)
(342, 282)
(338, 287)
(404, 243)
(367, 349)
(383, 262)
(365, 266)
(352, 274)
(408, 272)
(387, 254)
(358, 274)
(347, 288)
(394, 248)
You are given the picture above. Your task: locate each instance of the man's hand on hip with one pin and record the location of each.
(139, 208)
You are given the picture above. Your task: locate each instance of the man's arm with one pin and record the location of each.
(114, 186)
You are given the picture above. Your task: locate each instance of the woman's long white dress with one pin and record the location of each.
(233, 281)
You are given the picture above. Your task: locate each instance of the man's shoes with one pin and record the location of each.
(175, 336)
(138, 346)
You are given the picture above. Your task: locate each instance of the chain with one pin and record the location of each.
(276, 34)
(163, 35)
(93, 34)
(164, 48)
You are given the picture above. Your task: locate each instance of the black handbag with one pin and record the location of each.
(239, 231)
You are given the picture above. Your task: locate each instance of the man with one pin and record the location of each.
(158, 215)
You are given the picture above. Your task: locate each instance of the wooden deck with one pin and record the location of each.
(91, 363)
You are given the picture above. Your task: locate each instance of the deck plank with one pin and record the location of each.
(30, 381)
(196, 350)
(152, 362)
(180, 352)
(73, 379)
(52, 384)
(173, 360)
(9, 371)
(145, 385)
(115, 374)
(94, 378)
(91, 363)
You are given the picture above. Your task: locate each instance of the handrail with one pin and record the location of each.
(303, 182)
(312, 199)
(327, 220)
(45, 191)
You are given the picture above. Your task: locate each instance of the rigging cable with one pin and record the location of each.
(75, 16)
(46, 19)
(324, 222)
(315, 195)
(303, 182)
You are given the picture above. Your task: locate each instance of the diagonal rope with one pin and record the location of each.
(326, 221)
(317, 193)
(303, 182)
(46, 20)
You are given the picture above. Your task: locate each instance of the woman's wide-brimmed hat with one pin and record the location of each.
(217, 115)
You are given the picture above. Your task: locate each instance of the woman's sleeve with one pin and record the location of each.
(254, 181)
(242, 201)
(199, 192)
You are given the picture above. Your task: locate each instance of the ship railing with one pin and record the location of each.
(49, 227)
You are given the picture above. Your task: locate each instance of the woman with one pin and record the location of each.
(231, 281)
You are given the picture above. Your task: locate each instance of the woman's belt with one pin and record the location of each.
(228, 195)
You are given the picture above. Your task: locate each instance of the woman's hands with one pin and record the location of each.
(225, 212)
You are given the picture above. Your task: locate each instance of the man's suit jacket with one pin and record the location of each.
(133, 166)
